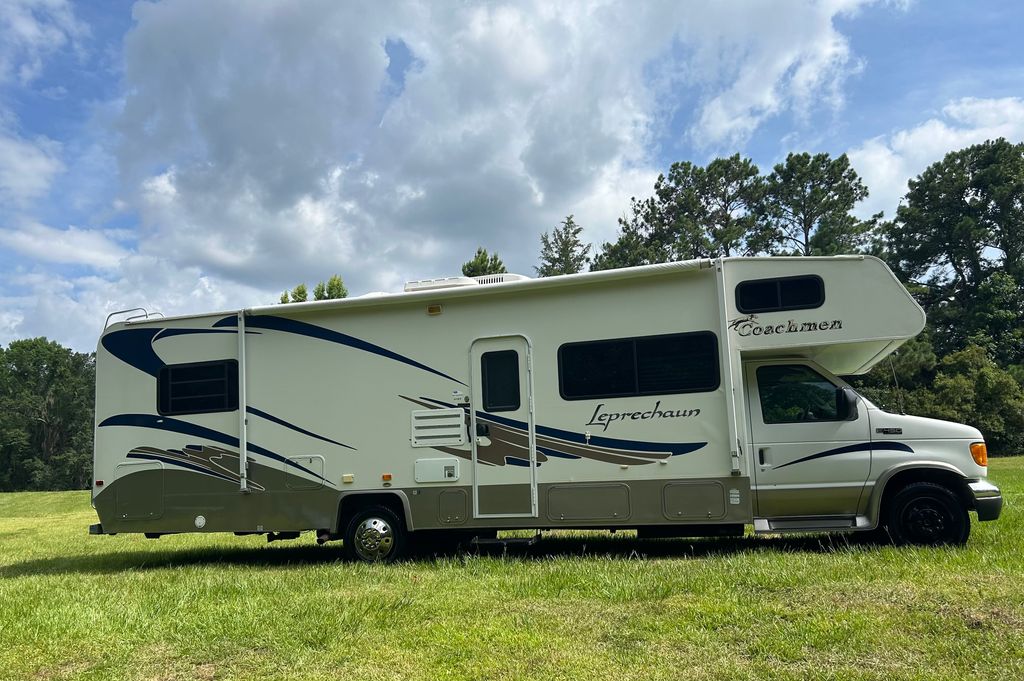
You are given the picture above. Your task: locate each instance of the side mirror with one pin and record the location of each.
(846, 404)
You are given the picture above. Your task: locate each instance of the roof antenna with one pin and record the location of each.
(896, 382)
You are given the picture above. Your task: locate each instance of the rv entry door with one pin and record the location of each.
(502, 428)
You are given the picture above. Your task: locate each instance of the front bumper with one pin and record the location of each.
(988, 500)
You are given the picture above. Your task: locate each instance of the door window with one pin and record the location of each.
(796, 394)
(499, 375)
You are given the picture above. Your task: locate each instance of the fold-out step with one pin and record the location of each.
(506, 541)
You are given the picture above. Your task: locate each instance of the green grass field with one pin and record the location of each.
(574, 606)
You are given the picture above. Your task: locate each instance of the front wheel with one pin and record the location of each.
(927, 514)
(375, 535)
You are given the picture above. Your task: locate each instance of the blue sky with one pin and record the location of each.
(188, 156)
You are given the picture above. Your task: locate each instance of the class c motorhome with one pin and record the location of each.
(682, 399)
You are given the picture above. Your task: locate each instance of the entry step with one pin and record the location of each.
(505, 542)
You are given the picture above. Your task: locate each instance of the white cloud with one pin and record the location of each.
(31, 31)
(887, 162)
(296, 158)
(263, 144)
(66, 246)
(27, 168)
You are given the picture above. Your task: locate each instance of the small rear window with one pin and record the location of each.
(778, 295)
(197, 388)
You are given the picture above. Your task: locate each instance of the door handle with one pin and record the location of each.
(761, 458)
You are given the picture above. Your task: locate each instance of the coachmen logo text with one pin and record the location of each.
(607, 418)
(749, 326)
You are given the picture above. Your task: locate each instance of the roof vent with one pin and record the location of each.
(443, 282)
(500, 278)
(454, 282)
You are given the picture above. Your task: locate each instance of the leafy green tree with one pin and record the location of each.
(482, 264)
(963, 218)
(46, 416)
(563, 252)
(807, 207)
(336, 288)
(695, 212)
(333, 289)
(959, 235)
(636, 244)
(970, 388)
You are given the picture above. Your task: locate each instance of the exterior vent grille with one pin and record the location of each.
(443, 282)
(500, 278)
(453, 282)
(439, 427)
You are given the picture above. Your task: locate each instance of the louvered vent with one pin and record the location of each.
(439, 427)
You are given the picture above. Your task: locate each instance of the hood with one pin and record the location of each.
(919, 428)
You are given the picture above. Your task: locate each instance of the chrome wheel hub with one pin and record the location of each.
(374, 539)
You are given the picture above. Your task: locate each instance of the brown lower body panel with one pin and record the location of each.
(168, 500)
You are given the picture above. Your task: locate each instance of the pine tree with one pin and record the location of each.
(563, 252)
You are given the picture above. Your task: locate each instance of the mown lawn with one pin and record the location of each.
(575, 606)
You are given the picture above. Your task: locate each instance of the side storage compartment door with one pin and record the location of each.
(502, 428)
(811, 458)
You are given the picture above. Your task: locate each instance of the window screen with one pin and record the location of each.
(651, 365)
(796, 394)
(198, 388)
(777, 295)
(499, 375)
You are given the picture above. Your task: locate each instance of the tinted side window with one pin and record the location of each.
(652, 365)
(602, 368)
(197, 388)
(776, 295)
(796, 394)
(499, 376)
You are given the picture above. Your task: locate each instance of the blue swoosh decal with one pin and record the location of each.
(186, 428)
(281, 422)
(848, 449)
(676, 448)
(303, 329)
(135, 348)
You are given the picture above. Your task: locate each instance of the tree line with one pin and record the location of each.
(956, 241)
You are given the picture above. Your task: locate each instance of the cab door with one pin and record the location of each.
(811, 442)
(502, 428)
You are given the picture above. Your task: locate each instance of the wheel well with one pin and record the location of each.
(938, 476)
(353, 503)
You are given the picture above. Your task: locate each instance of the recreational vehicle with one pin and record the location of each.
(683, 399)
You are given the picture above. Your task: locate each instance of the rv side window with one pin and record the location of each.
(197, 388)
(796, 394)
(651, 365)
(777, 295)
(499, 376)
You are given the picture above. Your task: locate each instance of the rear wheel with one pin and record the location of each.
(375, 535)
(927, 514)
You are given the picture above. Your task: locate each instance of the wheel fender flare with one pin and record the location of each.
(397, 493)
(882, 481)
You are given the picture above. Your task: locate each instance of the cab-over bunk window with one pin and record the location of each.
(778, 295)
(197, 388)
(649, 365)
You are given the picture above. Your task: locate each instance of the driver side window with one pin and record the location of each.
(796, 394)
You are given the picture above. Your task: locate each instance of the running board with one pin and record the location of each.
(811, 524)
(505, 543)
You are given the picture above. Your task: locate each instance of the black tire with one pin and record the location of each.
(375, 535)
(927, 514)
